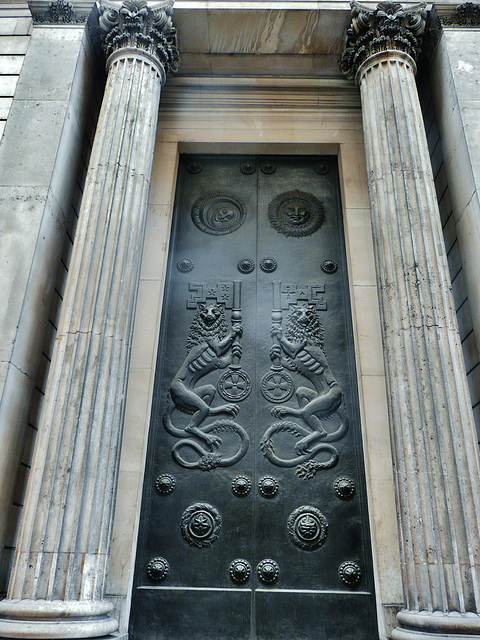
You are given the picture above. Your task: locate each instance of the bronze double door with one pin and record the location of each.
(254, 517)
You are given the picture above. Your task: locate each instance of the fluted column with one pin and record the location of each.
(57, 584)
(435, 449)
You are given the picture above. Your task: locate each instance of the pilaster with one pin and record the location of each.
(58, 580)
(436, 461)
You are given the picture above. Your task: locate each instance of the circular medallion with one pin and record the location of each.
(218, 213)
(165, 483)
(329, 266)
(268, 168)
(321, 169)
(245, 265)
(240, 570)
(234, 384)
(201, 524)
(194, 167)
(267, 571)
(247, 168)
(344, 488)
(277, 386)
(296, 213)
(268, 486)
(158, 569)
(241, 486)
(185, 265)
(349, 573)
(307, 527)
(268, 265)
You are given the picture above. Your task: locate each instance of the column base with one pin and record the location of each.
(44, 619)
(423, 625)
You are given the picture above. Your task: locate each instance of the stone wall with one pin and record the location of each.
(43, 159)
(449, 216)
(15, 30)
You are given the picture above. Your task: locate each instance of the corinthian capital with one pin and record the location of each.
(388, 27)
(140, 25)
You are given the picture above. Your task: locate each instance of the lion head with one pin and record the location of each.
(209, 322)
(303, 323)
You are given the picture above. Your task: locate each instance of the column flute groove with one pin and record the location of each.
(434, 444)
(57, 586)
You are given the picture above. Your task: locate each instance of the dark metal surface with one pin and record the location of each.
(254, 520)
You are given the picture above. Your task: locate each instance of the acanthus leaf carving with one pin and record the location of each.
(388, 27)
(136, 25)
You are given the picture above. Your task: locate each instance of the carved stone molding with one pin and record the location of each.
(465, 15)
(386, 28)
(57, 12)
(136, 25)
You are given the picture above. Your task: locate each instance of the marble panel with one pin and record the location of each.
(462, 46)
(14, 44)
(49, 65)
(124, 532)
(34, 128)
(443, 88)
(164, 173)
(157, 234)
(8, 85)
(21, 212)
(354, 176)
(367, 330)
(376, 429)
(23, 27)
(10, 64)
(358, 238)
(145, 331)
(5, 104)
(136, 417)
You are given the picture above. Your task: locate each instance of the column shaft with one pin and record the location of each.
(57, 585)
(435, 450)
(436, 460)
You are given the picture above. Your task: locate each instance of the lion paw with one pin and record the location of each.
(302, 447)
(278, 412)
(232, 409)
(213, 441)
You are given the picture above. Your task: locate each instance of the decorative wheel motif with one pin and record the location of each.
(201, 524)
(329, 266)
(218, 213)
(247, 168)
(344, 488)
(240, 570)
(194, 167)
(307, 527)
(165, 483)
(185, 265)
(268, 168)
(268, 486)
(158, 569)
(267, 571)
(241, 486)
(245, 265)
(234, 384)
(350, 573)
(268, 265)
(321, 169)
(277, 386)
(296, 213)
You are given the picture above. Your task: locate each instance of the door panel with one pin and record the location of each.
(254, 521)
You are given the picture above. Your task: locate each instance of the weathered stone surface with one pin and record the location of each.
(58, 578)
(436, 460)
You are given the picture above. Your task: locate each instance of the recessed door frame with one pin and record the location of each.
(175, 138)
